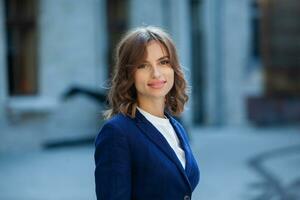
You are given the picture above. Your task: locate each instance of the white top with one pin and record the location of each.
(164, 126)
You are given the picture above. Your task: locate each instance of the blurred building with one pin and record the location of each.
(241, 58)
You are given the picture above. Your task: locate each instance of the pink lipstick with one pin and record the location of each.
(157, 84)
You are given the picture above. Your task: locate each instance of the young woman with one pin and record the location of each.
(142, 152)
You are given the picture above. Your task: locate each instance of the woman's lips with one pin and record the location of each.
(157, 84)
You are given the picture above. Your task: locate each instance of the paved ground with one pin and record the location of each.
(236, 164)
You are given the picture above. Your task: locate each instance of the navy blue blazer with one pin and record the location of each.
(135, 162)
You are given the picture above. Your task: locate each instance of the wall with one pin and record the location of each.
(72, 51)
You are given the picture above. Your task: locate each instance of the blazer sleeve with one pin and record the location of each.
(112, 160)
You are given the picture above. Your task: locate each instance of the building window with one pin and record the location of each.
(255, 28)
(280, 55)
(21, 43)
(197, 60)
(281, 47)
(117, 22)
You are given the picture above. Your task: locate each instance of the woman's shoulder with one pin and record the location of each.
(118, 119)
(118, 122)
(114, 127)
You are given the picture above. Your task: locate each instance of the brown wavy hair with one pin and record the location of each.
(131, 50)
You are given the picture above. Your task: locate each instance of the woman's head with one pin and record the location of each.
(132, 60)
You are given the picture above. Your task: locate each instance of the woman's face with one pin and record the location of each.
(154, 77)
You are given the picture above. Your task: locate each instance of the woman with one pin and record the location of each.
(142, 152)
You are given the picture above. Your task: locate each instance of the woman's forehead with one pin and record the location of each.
(155, 49)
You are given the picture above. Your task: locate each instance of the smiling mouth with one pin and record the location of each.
(157, 85)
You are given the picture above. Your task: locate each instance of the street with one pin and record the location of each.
(235, 164)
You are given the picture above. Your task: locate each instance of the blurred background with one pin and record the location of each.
(241, 58)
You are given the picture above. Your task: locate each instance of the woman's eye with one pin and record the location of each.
(165, 62)
(141, 66)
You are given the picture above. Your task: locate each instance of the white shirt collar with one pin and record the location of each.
(153, 118)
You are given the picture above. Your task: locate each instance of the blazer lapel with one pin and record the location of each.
(184, 145)
(158, 139)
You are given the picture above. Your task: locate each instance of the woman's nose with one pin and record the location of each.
(156, 72)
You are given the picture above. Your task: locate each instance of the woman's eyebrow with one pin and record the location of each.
(164, 57)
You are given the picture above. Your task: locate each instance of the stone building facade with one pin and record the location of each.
(74, 46)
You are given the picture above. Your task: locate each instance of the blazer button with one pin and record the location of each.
(186, 197)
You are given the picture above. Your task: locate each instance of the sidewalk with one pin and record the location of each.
(248, 164)
(236, 164)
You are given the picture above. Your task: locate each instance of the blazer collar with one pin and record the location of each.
(158, 139)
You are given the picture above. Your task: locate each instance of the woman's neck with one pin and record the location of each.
(155, 108)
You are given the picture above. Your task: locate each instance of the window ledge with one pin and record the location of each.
(32, 105)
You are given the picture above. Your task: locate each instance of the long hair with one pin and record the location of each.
(131, 50)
